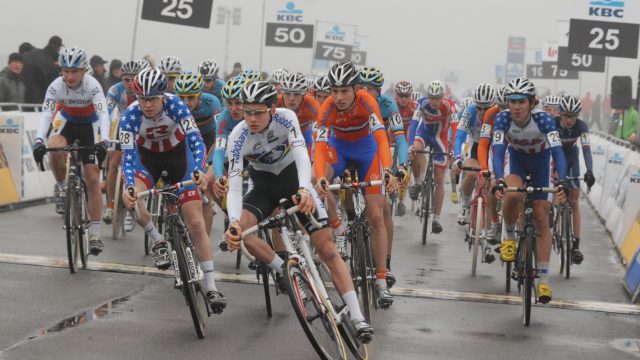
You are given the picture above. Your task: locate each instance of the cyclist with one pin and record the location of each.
(212, 84)
(434, 115)
(470, 126)
(406, 105)
(225, 122)
(158, 133)
(171, 67)
(350, 129)
(294, 86)
(251, 75)
(532, 137)
(372, 79)
(453, 177)
(276, 77)
(204, 107)
(484, 159)
(271, 141)
(321, 89)
(571, 129)
(83, 110)
(551, 104)
(119, 97)
(415, 96)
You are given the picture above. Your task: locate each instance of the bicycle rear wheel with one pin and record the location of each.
(72, 224)
(83, 227)
(313, 314)
(478, 220)
(359, 271)
(528, 276)
(265, 272)
(190, 289)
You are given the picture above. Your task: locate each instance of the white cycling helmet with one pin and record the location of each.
(484, 95)
(208, 69)
(294, 83)
(466, 102)
(521, 88)
(551, 100)
(570, 104)
(277, 76)
(170, 65)
(415, 95)
(131, 67)
(343, 74)
(259, 92)
(501, 96)
(150, 82)
(435, 89)
(72, 58)
(144, 64)
(322, 84)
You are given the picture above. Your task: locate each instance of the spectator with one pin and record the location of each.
(115, 73)
(25, 47)
(237, 69)
(11, 86)
(587, 104)
(97, 64)
(596, 113)
(150, 59)
(626, 129)
(40, 69)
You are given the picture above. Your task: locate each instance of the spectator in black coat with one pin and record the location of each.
(115, 73)
(25, 47)
(40, 69)
(97, 64)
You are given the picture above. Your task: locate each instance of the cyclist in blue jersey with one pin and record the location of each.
(470, 126)
(571, 129)
(204, 107)
(372, 79)
(464, 104)
(171, 67)
(212, 84)
(531, 137)
(225, 122)
(551, 104)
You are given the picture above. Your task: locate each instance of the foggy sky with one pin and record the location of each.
(409, 40)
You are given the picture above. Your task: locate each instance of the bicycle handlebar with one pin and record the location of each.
(355, 185)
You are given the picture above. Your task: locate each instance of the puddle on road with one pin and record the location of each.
(627, 345)
(108, 308)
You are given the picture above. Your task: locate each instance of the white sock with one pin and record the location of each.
(62, 184)
(351, 299)
(465, 199)
(380, 282)
(94, 228)
(276, 264)
(436, 218)
(152, 232)
(543, 272)
(209, 279)
(511, 231)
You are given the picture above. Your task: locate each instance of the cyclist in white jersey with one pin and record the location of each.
(83, 110)
(271, 141)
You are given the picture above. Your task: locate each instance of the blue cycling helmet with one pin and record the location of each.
(233, 88)
(72, 58)
(370, 75)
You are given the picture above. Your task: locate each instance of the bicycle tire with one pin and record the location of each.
(508, 278)
(266, 272)
(150, 208)
(71, 225)
(117, 226)
(476, 216)
(84, 226)
(359, 271)
(325, 336)
(528, 276)
(190, 290)
(426, 206)
(567, 232)
(371, 270)
(559, 240)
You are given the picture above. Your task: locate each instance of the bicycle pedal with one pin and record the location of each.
(252, 266)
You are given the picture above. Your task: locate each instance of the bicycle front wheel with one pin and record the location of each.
(567, 234)
(425, 207)
(478, 222)
(190, 288)
(117, 227)
(359, 271)
(527, 276)
(72, 224)
(313, 313)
